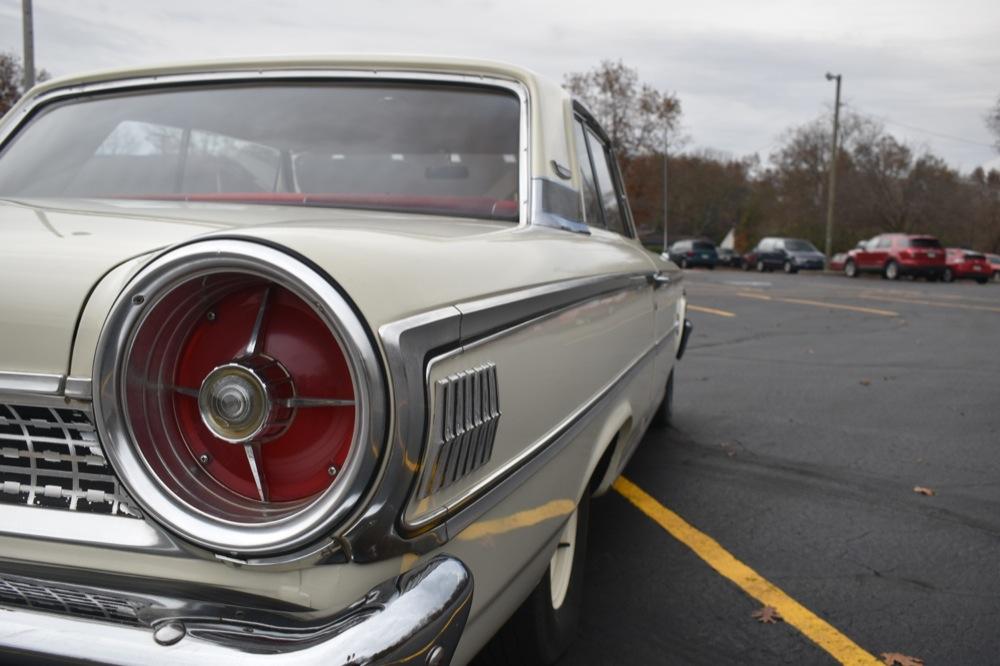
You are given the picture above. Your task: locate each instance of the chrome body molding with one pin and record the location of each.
(79, 388)
(402, 620)
(88, 529)
(12, 123)
(466, 411)
(411, 346)
(26, 383)
(268, 537)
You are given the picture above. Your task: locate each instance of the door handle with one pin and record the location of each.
(659, 280)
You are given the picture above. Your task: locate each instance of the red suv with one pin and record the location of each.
(966, 264)
(893, 255)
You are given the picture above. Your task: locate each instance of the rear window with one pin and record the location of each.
(794, 245)
(974, 255)
(703, 246)
(922, 242)
(422, 147)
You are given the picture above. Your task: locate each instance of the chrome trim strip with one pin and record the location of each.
(410, 345)
(92, 529)
(31, 383)
(80, 388)
(11, 124)
(407, 619)
(278, 536)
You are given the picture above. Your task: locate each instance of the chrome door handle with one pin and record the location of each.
(660, 280)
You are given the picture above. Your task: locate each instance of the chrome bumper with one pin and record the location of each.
(416, 618)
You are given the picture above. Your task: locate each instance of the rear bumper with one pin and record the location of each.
(417, 617)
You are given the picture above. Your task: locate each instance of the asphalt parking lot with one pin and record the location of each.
(807, 409)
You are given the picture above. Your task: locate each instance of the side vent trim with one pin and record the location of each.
(466, 414)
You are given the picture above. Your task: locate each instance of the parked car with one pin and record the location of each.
(693, 253)
(966, 265)
(788, 254)
(895, 255)
(729, 257)
(994, 260)
(268, 388)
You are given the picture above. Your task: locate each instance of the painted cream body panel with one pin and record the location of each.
(546, 371)
(394, 265)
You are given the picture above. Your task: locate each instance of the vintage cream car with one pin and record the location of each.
(314, 362)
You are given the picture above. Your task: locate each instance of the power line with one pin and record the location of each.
(942, 135)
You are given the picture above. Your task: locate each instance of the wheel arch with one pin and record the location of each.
(607, 459)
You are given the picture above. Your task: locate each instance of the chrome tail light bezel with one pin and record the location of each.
(289, 531)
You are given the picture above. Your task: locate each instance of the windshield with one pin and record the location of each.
(800, 246)
(923, 242)
(443, 149)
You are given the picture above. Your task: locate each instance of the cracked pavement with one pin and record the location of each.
(799, 434)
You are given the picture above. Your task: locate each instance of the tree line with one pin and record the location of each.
(883, 184)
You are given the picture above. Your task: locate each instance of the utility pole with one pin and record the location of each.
(833, 167)
(666, 129)
(27, 23)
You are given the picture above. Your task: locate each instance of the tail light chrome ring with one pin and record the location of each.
(239, 398)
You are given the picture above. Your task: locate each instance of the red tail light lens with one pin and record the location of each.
(238, 397)
(254, 390)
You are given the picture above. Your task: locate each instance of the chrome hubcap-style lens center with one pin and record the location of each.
(234, 403)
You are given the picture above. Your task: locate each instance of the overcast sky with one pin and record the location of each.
(745, 70)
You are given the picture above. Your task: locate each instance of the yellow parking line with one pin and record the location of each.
(837, 306)
(913, 301)
(820, 304)
(721, 313)
(839, 646)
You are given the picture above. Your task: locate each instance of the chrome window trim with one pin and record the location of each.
(320, 517)
(11, 124)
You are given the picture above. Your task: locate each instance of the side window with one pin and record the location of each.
(592, 214)
(613, 215)
(884, 242)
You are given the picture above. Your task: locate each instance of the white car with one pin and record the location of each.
(314, 361)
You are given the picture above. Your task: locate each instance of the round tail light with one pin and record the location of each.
(241, 400)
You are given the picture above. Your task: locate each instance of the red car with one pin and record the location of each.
(967, 265)
(894, 255)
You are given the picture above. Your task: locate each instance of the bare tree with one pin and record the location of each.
(12, 80)
(993, 122)
(633, 114)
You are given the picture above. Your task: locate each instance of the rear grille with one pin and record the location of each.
(50, 457)
(67, 600)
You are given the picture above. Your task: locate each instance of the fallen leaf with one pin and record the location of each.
(865, 382)
(920, 490)
(767, 615)
(898, 659)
